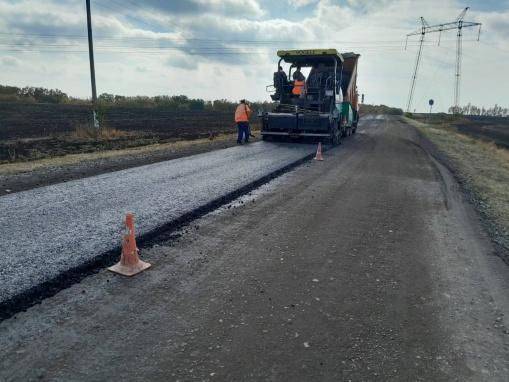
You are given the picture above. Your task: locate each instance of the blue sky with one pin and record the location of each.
(487, 5)
(216, 49)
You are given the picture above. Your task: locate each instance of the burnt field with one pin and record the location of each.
(489, 129)
(18, 121)
(34, 131)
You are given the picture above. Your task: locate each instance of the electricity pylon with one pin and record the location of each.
(425, 28)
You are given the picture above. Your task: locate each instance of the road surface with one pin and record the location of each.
(367, 266)
(49, 230)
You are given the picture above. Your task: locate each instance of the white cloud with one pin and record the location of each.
(10, 61)
(496, 23)
(246, 8)
(226, 49)
(182, 61)
(301, 3)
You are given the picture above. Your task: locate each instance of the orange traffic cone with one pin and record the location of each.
(319, 152)
(130, 263)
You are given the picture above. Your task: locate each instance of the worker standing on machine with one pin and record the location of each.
(299, 83)
(242, 114)
(280, 82)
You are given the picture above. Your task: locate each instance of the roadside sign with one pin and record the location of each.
(431, 102)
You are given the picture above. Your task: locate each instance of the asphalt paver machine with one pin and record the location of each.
(326, 108)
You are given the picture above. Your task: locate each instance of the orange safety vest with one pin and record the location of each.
(298, 87)
(242, 113)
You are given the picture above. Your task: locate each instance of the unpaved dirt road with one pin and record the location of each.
(367, 266)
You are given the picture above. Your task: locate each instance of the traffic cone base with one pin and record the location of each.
(130, 263)
(129, 270)
(319, 155)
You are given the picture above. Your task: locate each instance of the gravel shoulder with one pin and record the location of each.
(370, 265)
(482, 169)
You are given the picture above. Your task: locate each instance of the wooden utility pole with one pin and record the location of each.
(92, 64)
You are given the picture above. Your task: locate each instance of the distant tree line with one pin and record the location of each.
(178, 102)
(469, 109)
(175, 103)
(379, 109)
(32, 95)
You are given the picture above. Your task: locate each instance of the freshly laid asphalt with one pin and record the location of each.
(368, 266)
(48, 230)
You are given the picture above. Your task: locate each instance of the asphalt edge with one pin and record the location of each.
(35, 295)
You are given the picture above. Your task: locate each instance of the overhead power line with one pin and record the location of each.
(205, 40)
(31, 42)
(144, 49)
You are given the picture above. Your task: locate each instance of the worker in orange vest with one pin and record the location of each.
(299, 82)
(242, 114)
